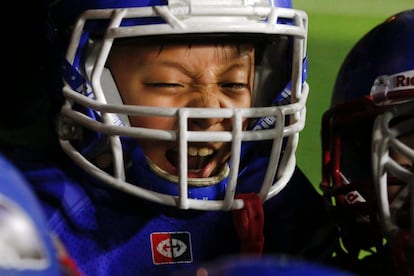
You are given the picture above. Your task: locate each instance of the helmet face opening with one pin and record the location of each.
(160, 126)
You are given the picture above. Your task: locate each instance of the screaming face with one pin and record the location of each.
(182, 75)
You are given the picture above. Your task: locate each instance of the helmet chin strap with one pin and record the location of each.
(249, 222)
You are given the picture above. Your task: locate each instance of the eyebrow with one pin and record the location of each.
(186, 69)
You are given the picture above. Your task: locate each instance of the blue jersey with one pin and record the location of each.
(108, 232)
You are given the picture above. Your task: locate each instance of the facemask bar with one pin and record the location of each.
(181, 20)
(384, 139)
(184, 113)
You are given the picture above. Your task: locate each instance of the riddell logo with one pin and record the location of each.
(403, 81)
(171, 247)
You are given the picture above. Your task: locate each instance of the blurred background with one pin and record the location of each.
(334, 27)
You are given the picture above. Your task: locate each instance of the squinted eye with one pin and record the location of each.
(234, 85)
(164, 84)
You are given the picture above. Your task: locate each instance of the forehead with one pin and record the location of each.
(223, 52)
(137, 43)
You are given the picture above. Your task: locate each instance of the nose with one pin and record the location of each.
(206, 96)
(196, 124)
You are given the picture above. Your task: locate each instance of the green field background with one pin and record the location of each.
(334, 27)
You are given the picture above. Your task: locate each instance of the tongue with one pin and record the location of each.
(195, 162)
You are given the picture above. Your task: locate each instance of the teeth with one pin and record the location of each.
(193, 151)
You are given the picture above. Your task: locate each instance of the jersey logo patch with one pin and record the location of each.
(171, 247)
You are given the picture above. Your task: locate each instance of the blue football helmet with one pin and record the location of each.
(368, 141)
(94, 126)
(26, 245)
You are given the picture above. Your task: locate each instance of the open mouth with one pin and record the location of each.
(198, 158)
(202, 166)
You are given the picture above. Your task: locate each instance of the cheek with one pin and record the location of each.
(154, 150)
(393, 192)
(239, 101)
(153, 122)
(247, 101)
